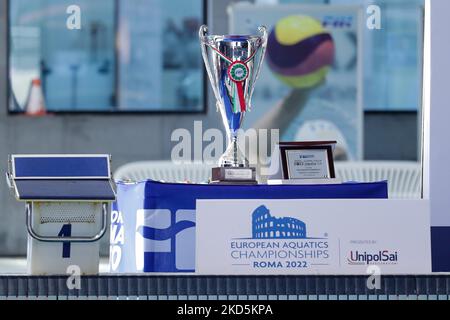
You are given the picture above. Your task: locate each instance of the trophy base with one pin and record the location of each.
(234, 175)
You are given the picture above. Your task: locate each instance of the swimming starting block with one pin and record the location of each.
(67, 199)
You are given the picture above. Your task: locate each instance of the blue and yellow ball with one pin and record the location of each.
(300, 51)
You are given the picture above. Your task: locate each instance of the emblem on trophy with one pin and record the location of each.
(233, 63)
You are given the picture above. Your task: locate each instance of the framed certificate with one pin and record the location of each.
(307, 160)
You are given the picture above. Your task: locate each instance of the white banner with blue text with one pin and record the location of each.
(246, 237)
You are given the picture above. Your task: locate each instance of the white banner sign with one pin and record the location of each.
(313, 237)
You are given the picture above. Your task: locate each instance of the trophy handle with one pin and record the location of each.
(264, 36)
(202, 34)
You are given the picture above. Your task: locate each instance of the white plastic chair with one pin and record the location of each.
(404, 177)
(163, 171)
(324, 130)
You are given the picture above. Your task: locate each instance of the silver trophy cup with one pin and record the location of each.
(233, 63)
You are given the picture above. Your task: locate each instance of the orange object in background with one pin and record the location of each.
(35, 105)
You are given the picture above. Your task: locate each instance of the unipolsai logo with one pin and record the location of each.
(165, 241)
(357, 257)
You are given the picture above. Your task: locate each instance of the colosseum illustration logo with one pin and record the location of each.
(266, 226)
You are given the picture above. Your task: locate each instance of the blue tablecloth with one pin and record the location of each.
(153, 223)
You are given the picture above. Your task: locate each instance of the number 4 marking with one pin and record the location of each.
(66, 231)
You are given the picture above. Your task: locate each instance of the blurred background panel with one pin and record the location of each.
(155, 65)
(392, 55)
(160, 66)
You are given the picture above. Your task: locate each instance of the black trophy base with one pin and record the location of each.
(234, 175)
